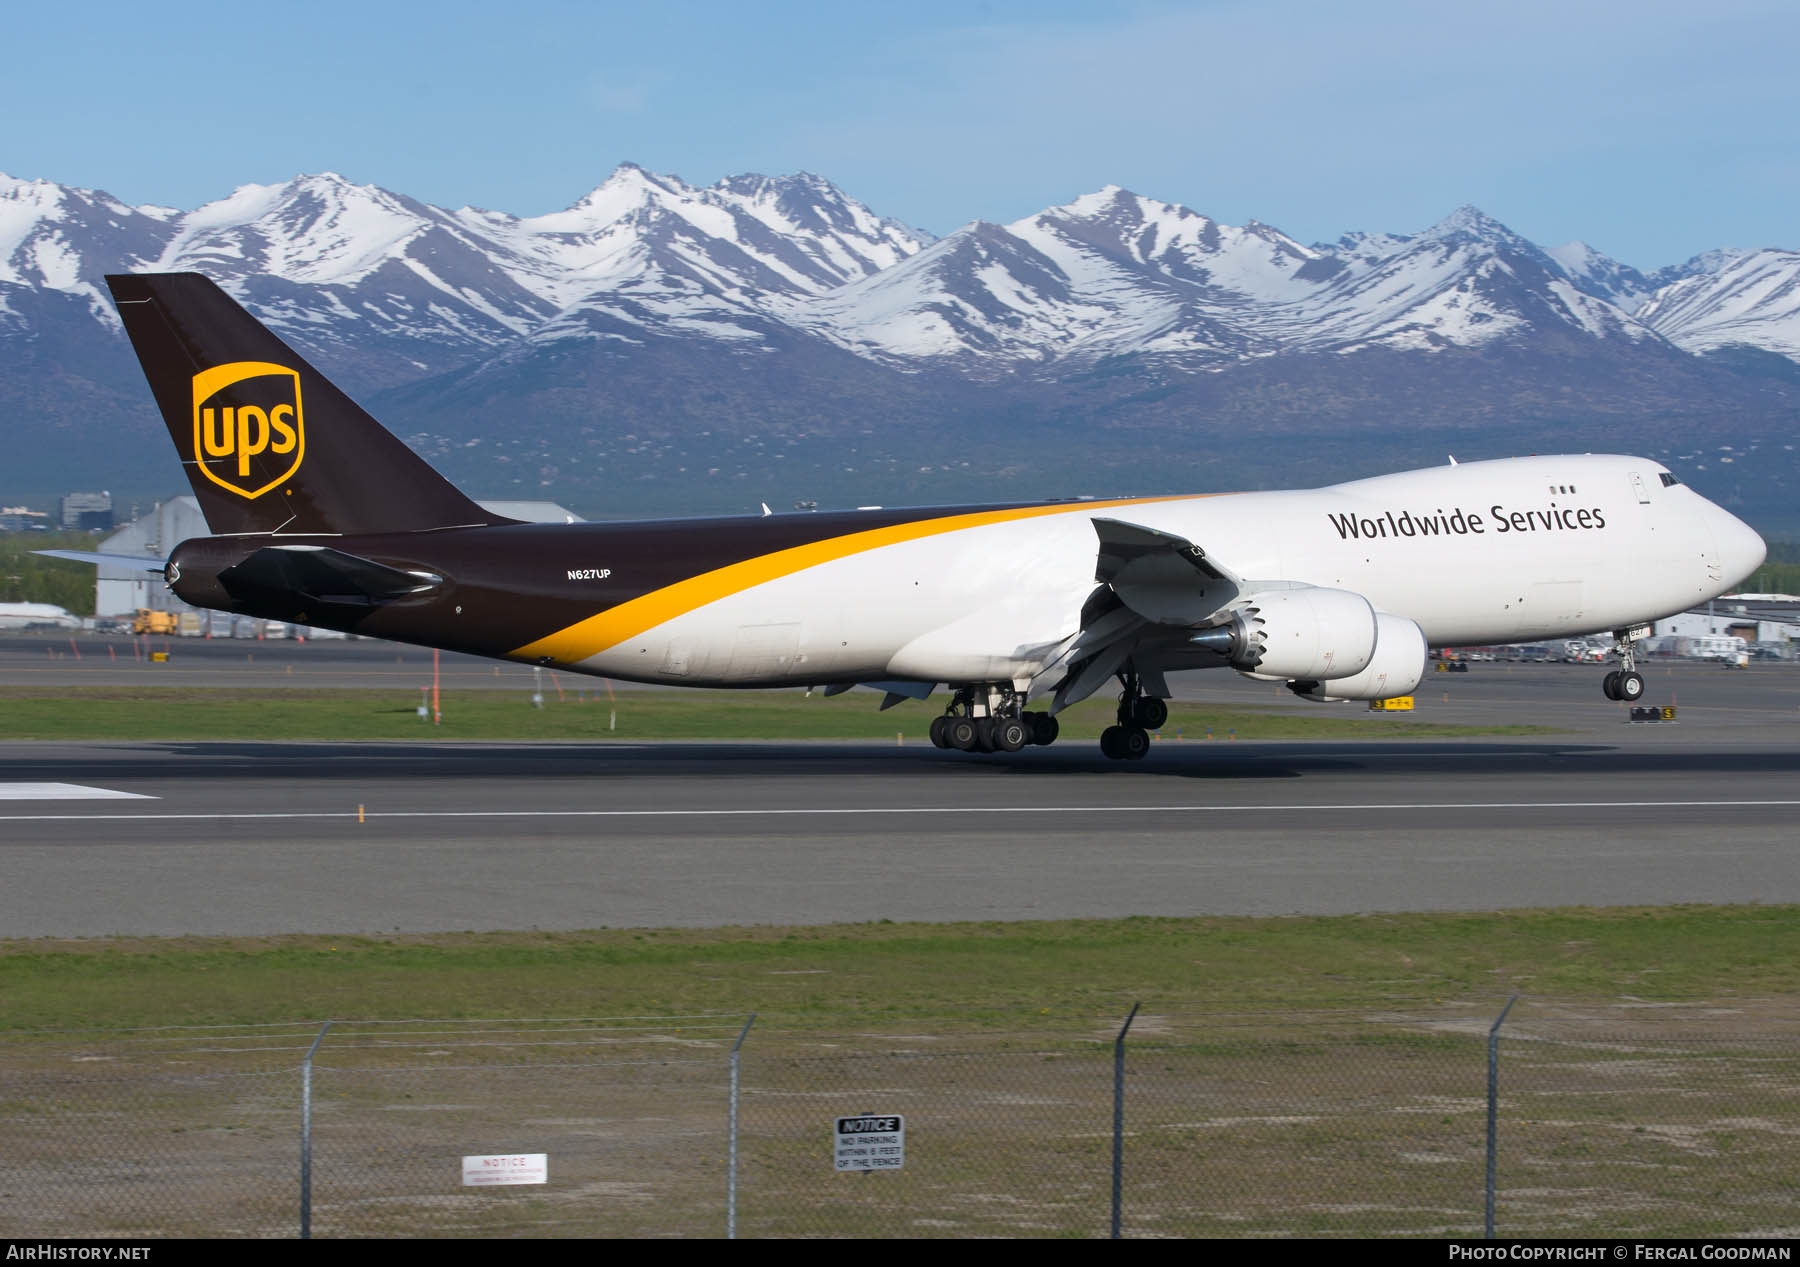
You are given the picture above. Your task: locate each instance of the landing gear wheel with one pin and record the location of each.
(962, 733)
(1138, 711)
(1149, 713)
(1629, 687)
(1611, 685)
(1010, 734)
(1124, 743)
(938, 726)
(1044, 728)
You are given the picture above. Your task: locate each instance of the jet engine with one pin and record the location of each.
(1306, 632)
(1396, 669)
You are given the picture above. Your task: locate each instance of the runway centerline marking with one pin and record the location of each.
(65, 792)
(900, 810)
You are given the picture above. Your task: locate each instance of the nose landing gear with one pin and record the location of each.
(1626, 684)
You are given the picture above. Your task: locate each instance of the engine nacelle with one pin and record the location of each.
(1396, 669)
(1306, 632)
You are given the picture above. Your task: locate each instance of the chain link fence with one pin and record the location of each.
(1182, 1122)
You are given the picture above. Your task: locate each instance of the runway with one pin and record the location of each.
(244, 838)
(265, 838)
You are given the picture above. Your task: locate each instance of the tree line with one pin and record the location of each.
(30, 578)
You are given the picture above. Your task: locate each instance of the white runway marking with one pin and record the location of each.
(64, 792)
(897, 811)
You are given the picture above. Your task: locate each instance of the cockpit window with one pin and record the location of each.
(1669, 481)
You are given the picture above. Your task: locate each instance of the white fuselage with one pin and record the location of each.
(1482, 552)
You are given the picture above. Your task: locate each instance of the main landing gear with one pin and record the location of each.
(1139, 714)
(991, 719)
(1626, 684)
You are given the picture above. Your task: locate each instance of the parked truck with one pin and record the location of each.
(150, 621)
(1724, 648)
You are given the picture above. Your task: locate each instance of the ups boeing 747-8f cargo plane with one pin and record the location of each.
(324, 518)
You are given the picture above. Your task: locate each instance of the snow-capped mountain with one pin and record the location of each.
(1108, 274)
(1727, 298)
(388, 284)
(1603, 277)
(1466, 281)
(1114, 274)
(651, 254)
(655, 322)
(52, 235)
(400, 289)
(405, 289)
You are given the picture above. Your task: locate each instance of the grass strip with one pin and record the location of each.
(884, 976)
(585, 713)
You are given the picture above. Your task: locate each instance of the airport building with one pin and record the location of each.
(1752, 617)
(121, 592)
(87, 512)
(23, 519)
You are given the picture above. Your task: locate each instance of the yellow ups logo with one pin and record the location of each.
(249, 428)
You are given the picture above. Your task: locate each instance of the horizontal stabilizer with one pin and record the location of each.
(129, 562)
(324, 575)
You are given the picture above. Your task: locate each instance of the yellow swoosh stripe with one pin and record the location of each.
(597, 633)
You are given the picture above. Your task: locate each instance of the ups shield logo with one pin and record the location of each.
(249, 428)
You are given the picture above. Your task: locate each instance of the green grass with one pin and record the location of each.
(586, 714)
(1365, 1119)
(898, 976)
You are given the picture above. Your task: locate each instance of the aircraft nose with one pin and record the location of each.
(1741, 550)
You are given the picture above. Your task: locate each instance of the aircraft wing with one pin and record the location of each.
(1166, 579)
(1158, 587)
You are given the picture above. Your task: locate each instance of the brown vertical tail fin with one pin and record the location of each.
(268, 443)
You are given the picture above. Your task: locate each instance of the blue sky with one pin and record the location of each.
(1652, 130)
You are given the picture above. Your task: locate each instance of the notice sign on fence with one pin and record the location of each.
(487, 1172)
(870, 1142)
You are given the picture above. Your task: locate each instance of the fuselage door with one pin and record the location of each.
(1640, 488)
